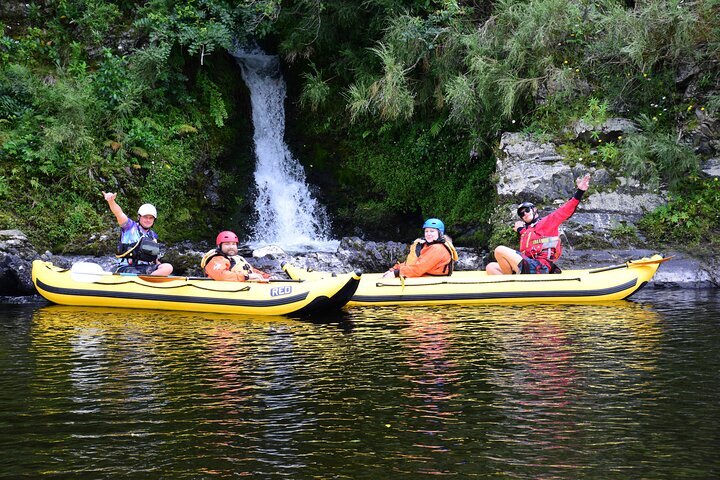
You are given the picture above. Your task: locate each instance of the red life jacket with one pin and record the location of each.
(541, 240)
(535, 245)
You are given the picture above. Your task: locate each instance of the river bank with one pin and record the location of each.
(17, 254)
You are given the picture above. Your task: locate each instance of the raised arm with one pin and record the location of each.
(115, 208)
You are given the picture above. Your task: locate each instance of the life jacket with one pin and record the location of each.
(541, 239)
(539, 247)
(145, 250)
(420, 243)
(234, 260)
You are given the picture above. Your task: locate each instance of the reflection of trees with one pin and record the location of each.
(433, 376)
(215, 395)
(567, 370)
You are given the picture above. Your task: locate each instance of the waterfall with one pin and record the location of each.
(287, 214)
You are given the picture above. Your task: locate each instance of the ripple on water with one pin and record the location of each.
(615, 390)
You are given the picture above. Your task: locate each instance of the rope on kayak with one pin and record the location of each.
(166, 287)
(380, 284)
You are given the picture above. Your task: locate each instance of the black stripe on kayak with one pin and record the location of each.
(491, 296)
(336, 302)
(73, 292)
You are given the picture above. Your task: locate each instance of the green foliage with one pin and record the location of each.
(60, 217)
(4, 186)
(596, 113)
(503, 236)
(390, 95)
(423, 81)
(79, 116)
(204, 26)
(655, 156)
(609, 154)
(315, 90)
(213, 97)
(690, 219)
(91, 20)
(417, 170)
(624, 233)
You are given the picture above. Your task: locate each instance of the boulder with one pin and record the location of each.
(682, 271)
(608, 131)
(16, 256)
(702, 133)
(532, 170)
(529, 169)
(711, 167)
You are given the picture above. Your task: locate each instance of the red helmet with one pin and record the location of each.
(226, 236)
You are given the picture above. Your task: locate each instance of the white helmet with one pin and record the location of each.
(147, 209)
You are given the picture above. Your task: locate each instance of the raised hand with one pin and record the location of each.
(109, 196)
(583, 183)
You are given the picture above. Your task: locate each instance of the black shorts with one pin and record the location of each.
(137, 269)
(530, 265)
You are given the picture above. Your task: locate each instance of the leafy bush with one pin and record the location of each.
(654, 156)
(691, 220)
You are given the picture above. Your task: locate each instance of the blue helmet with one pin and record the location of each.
(435, 223)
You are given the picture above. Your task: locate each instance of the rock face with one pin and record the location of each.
(711, 167)
(530, 170)
(16, 256)
(608, 131)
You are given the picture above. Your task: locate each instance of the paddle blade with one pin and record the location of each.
(86, 272)
(650, 261)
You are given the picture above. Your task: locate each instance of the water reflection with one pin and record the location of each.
(622, 390)
(561, 364)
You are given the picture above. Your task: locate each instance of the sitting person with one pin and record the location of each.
(540, 245)
(224, 263)
(138, 249)
(432, 255)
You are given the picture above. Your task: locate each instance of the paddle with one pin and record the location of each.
(87, 272)
(631, 263)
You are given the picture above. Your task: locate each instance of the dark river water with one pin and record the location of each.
(625, 390)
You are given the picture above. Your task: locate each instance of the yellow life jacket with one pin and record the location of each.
(234, 260)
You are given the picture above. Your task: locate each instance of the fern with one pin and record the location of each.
(461, 97)
(315, 90)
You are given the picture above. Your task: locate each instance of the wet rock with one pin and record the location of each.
(371, 256)
(711, 167)
(531, 170)
(609, 131)
(16, 256)
(185, 258)
(96, 244)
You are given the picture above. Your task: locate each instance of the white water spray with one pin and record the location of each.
(287, 215)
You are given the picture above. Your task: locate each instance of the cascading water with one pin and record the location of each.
(287, 215)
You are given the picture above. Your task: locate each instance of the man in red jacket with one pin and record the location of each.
(540, 243)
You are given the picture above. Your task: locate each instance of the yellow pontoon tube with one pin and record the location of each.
(278, 297)
(475, 287)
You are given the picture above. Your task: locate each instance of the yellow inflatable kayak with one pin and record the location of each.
(475, 287)
(96, 288)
